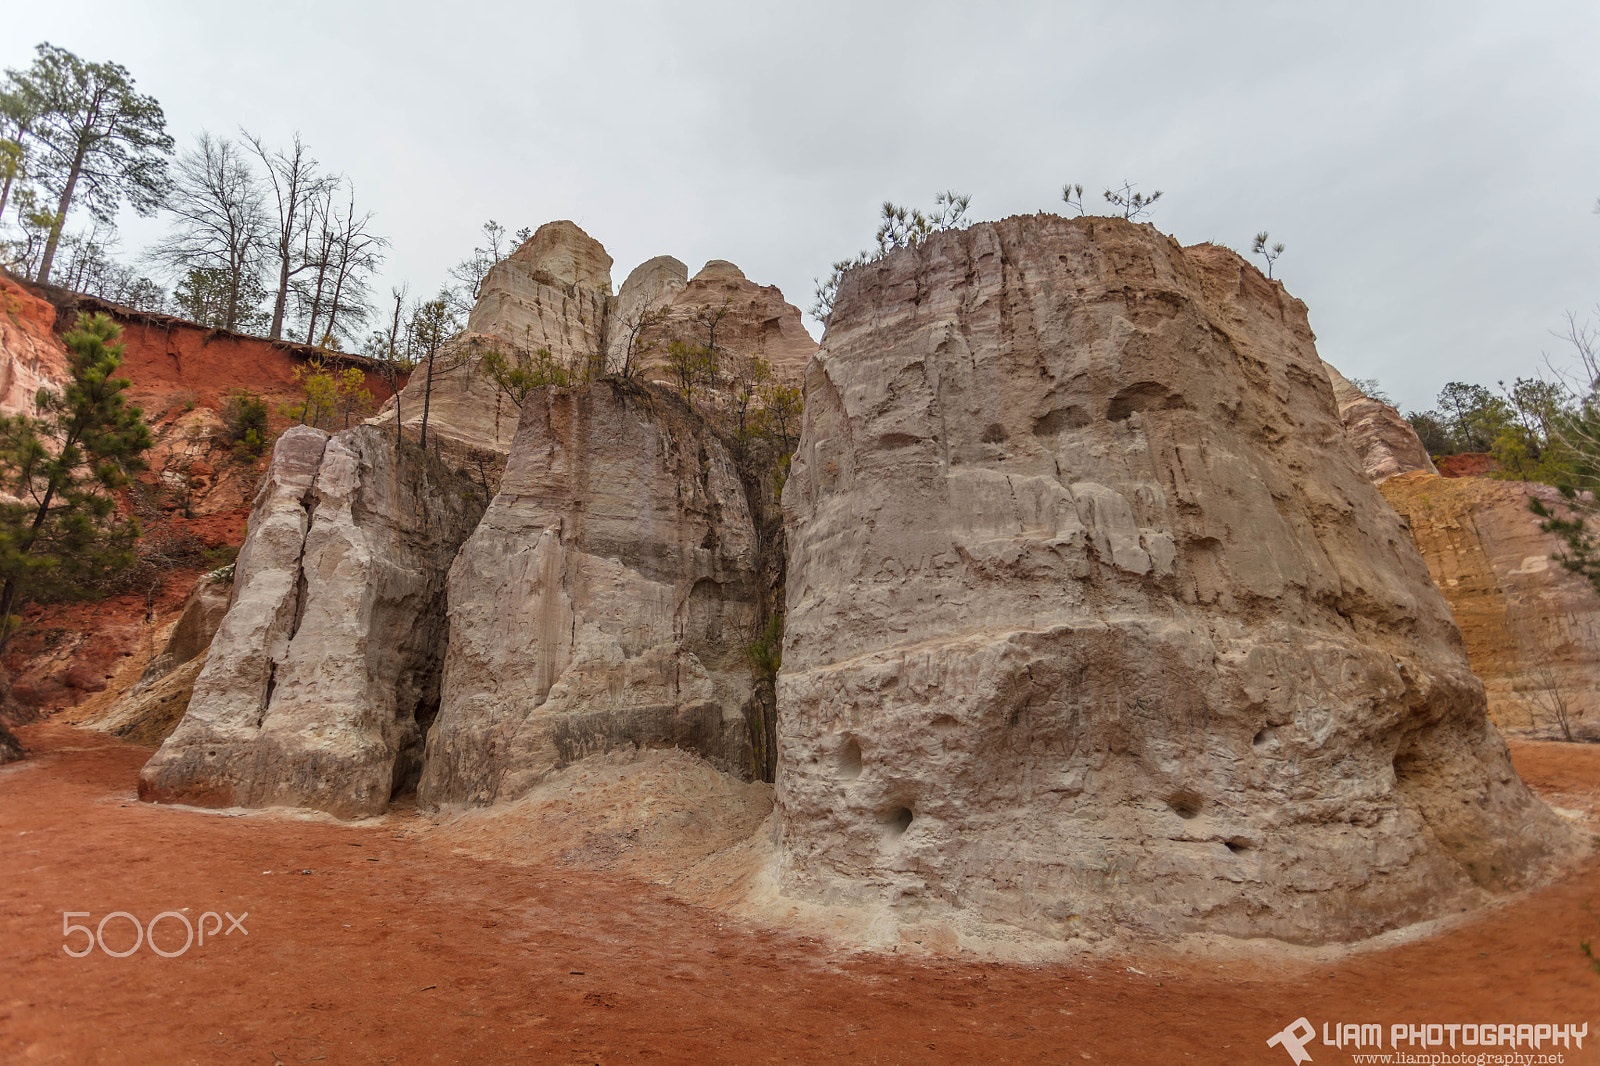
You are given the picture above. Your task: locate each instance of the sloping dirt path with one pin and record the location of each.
(366, 945)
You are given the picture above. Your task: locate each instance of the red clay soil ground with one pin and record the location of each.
(367, 945)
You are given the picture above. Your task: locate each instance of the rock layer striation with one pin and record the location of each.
(1095, 622)
(1385, 442)
(1531, 627)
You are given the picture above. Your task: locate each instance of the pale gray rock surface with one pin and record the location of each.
(470, 422)
(554, 292)
(751, 319)
(654, 283)
(759, 320)
(324, 672)
(1096, 624)
(604, 602)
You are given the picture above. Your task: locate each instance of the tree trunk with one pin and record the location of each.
(427, 400)
(276, 332)
(85, 138)
(231, 318)
(316, 302)
(60, 222)
(5, 194)
(394, 379)
(338, 288)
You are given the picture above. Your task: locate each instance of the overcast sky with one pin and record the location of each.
(1432, 167)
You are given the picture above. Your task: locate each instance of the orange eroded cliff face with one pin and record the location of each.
(1532, 629)
(195, 494)
(30, 354)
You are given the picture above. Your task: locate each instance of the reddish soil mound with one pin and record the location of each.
(1467, 464)
(68, 651)
(166, 356)
(371, 943)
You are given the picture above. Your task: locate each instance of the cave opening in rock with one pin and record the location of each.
(897, 821)
(1185, 804)
(849, 762)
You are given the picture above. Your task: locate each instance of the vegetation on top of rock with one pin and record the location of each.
(333, 397)
(900, 227)
(1270, 254)
(1129, 203)
(468, 274)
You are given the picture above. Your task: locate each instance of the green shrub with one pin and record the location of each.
(244, 416)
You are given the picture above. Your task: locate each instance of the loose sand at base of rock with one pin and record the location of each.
(372, 943)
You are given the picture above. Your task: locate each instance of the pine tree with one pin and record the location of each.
(62, 532)
(93, 139)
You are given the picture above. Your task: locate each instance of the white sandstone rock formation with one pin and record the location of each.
(551, 290)
(1095, 622)
(325, 671)
(604, 602)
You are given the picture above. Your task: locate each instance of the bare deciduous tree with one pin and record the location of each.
(298, 184)
(343, 254)
(220, 221)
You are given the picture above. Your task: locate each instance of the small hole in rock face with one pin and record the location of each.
(898, 821)
(1237, 845)
(1262, 738)
(1185, 804)
(850, 760)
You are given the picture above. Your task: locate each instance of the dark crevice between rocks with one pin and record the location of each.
(760, 464)
(266, 696)
(309, 502)
(450, 502)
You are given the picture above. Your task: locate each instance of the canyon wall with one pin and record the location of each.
(605, 603)
(30, 355)
(1095, 622)
(605, 600)
(1531, 627)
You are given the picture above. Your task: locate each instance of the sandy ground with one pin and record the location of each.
(390, 942)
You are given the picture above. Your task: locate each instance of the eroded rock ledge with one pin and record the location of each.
(1095, 622)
